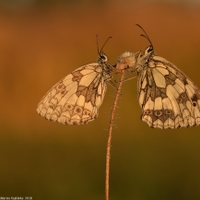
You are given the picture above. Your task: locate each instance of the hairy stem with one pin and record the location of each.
(112, 117)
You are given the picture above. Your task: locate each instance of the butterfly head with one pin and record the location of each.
(143, 59)
(149, 51)
(102, 58)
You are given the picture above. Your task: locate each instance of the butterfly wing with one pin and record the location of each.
(76, 98)
(168, 98)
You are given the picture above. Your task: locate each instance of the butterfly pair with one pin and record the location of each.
(168, 98)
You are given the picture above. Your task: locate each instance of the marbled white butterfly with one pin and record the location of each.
(168, 98)
(76, 98)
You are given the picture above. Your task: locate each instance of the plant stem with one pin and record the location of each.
(110, 135)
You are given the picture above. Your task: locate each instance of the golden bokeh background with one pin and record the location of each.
(41, 42)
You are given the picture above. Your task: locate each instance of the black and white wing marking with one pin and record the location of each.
(76, 98)
(168, 98)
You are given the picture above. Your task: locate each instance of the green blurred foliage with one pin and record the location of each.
(45, 160)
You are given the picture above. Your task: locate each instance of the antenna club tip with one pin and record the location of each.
(144, 34)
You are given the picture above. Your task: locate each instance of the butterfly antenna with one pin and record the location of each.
(145, 35)
(99, 51)
(97, 41)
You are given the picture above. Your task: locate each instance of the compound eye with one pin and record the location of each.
(149, 49)
(103, 57)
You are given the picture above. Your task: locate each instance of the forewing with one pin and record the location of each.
(169, 99)
(76, 98)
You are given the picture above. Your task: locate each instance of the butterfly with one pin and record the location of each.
(168, 98)
(76, 98)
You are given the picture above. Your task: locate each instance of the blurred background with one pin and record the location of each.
(41, 42)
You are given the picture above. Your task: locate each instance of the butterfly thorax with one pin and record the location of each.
(106, 67)
(102, 58)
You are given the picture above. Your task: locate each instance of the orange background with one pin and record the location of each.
(41, 43)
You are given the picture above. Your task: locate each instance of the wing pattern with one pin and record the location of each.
(77, 97)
